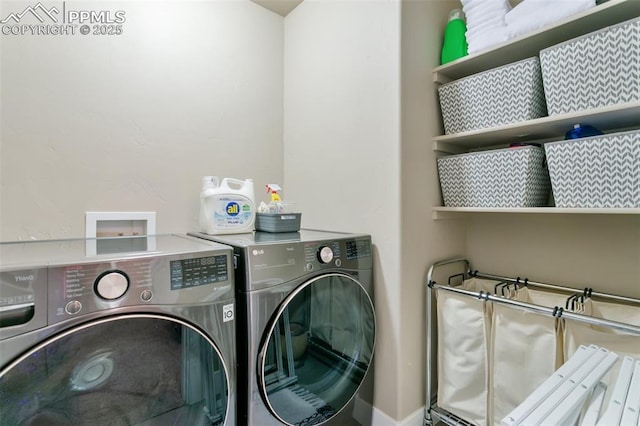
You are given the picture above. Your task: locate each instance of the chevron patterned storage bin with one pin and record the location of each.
(597, 172)
(511, 177)
(596, 70)
(509, 94)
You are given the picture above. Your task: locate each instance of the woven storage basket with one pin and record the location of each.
(509, 94)
(597, 172)
(596, 70)
(511, 177)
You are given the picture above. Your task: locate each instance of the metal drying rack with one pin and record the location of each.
(433, 413)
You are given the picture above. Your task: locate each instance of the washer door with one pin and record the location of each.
(317, 350)
(125, 370)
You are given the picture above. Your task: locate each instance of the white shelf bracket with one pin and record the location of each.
(448, 148)
(440, 78)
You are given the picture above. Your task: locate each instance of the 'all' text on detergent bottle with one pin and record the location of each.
(227, 208)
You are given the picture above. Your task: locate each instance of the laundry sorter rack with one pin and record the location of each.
(564, 309)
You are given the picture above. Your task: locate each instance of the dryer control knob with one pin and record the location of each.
(112, 285)
(325, 254)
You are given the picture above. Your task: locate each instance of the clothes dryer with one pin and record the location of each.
(306, 327)
(118, 331)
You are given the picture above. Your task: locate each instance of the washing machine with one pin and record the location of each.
(117, 331)
(306, 327)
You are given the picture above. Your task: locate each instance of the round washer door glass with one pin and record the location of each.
(127, 370)
(317, 351)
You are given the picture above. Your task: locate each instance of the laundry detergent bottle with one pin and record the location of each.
(228, 207)
(454, 45)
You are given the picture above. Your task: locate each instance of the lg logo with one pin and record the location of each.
(21, 278)
(257, 252)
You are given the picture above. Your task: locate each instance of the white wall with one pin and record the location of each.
(132, 122)
(598, 251)
(424, 240)
(342, 143)
(360, 110)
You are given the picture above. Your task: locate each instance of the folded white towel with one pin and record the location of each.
(479, 15)
(487, 6)
(485, 39)
(467, 2)
(485, 23)
(533, 14)
(533, 9)
(489, 13)
(496, 30)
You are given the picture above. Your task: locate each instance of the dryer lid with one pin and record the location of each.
(43, 253)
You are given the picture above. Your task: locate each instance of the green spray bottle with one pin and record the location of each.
(455, 42)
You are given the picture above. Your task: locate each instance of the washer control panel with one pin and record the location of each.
(195, 272)
(174, 279)
(269, 264)
(322, 254)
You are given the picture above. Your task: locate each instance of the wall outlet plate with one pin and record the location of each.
(118, 224)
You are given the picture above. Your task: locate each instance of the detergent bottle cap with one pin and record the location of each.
(455, 14)
(582, 131)
(209, 181)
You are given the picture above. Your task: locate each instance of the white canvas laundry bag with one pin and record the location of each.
(525, 348)
(622, 343)
(463, 329)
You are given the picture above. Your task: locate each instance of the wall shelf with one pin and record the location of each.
(456, 212)
(609, 119)
(615, 117)
(528, 45)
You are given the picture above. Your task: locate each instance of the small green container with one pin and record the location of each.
(454, 45)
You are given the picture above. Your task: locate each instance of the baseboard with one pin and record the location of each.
(415, 419)
(367, 415)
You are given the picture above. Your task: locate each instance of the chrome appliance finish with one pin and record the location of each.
(117, 331)
(306, 327)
